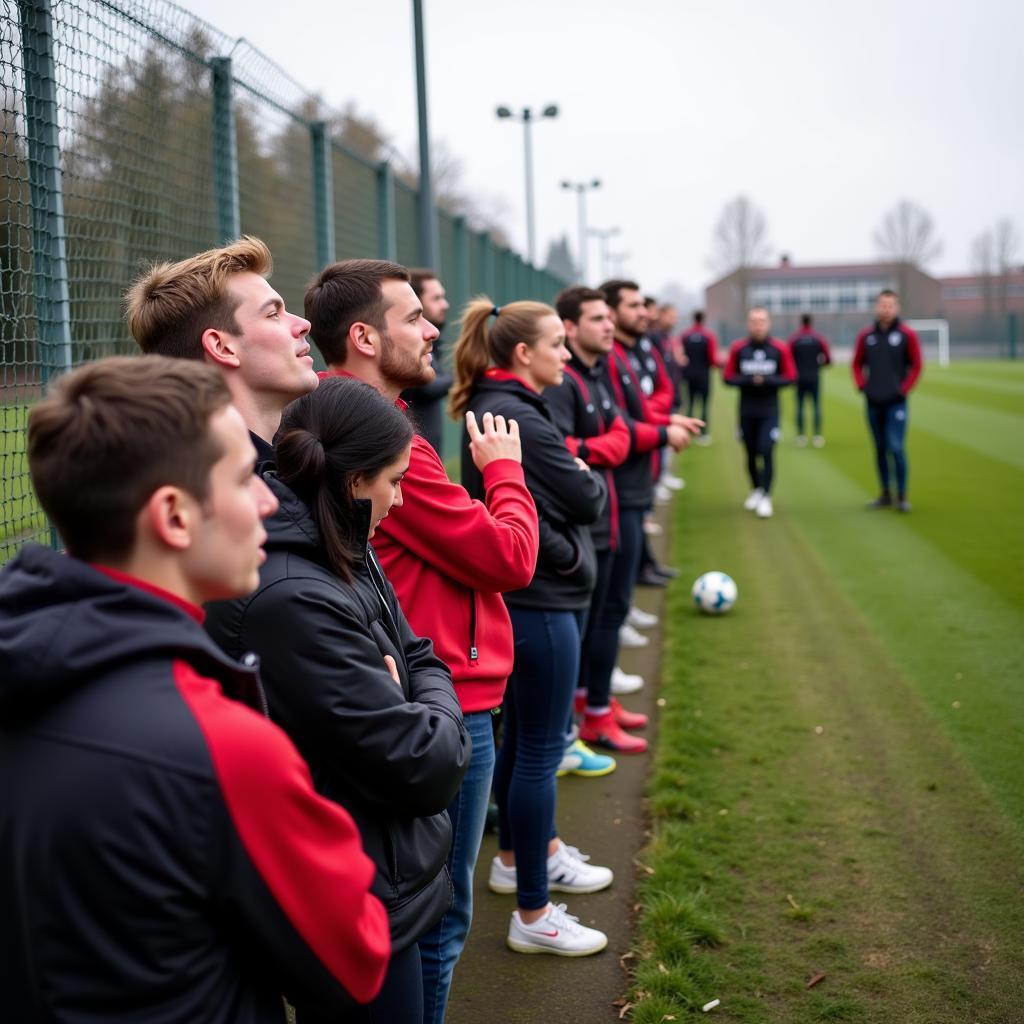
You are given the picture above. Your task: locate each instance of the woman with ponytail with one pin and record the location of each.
(503, 361)
(369, 706)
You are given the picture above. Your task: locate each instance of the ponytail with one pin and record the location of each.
(482, 344)
(471, 356)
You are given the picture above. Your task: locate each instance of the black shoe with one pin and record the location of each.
(884, 500)
(648, 577)
(665, 570)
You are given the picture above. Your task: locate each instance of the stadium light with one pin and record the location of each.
(526, 119)
(581, 188)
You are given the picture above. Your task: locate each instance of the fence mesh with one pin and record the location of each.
(112, 152)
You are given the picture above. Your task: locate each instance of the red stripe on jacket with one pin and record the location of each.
(307, 849)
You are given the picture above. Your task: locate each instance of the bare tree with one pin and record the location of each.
(1005, 247)
(740, 240)
(907, 235)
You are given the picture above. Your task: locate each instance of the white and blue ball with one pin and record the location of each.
(714, 592)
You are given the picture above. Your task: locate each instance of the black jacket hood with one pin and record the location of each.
(292, 527)
(63, 623)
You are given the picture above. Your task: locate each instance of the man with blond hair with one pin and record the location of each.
(218, 306)
(163, 855)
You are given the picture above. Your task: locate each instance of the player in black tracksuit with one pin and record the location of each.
(584, 410)
(700, 354)
(810, 353)
(759, 365)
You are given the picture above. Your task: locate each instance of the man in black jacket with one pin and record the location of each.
(584, 410)
(759, 365)
(162, 853)
(427, 400)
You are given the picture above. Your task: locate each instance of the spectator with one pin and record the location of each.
(447, 556)
(502, 371)
(365, 700)
(164, 855)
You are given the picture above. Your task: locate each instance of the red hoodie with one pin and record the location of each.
(449, 559)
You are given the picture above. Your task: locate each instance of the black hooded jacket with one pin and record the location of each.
(568, 499)
(392, 755)
(163, 856)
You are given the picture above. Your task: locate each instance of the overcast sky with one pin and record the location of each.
(824, 114)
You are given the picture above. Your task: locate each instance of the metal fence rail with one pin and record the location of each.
(135, 132)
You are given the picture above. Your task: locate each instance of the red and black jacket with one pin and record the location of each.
(759, 369)
(810, 353)
(700, 347)
(633, 379)
(892, 361)
(584, 410)
(162, 853)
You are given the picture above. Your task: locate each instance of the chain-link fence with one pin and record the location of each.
(135, 132)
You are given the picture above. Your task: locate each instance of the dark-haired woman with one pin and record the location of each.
(367, 703)
(503, 361)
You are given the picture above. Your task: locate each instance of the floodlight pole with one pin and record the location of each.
(428, 251)
(526, 118)
(581, 188)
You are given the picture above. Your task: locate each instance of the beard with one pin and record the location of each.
(403, 368)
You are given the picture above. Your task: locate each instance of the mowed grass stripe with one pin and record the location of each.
(966, 504)
(853, 852)
(989, 432)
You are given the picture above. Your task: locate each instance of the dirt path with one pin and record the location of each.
(605, 818)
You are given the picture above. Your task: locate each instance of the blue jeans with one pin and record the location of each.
(540, 693)
(441, 947)
(888, 424)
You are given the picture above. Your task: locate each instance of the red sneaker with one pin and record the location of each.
(627, 719)
(604, 731)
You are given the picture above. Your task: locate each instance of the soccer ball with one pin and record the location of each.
(714, 593)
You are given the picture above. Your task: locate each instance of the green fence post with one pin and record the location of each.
(225, 152)
(387, 237)
(49, 246)
(461, 281)
(323, 194)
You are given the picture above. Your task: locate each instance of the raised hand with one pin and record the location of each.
(497, 440)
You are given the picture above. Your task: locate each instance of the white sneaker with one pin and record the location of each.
(703, 440)
(662, 495)
(556, 932)
(640, 619)
(754, 500)
(652, 529)
(629, 637)
(567, 872)
(624, 683)
(819, 441)
(764, 508)
(673, 482)
(801, 440)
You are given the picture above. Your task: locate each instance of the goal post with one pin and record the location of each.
(938, 328)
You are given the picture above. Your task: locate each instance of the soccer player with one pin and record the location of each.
(810, 353)
(427, 400)
(449, 558)
(163, 855)
(759, 365)
(886, 364)
(699, 358)
(218, 307)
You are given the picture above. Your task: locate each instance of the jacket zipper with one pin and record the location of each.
(474, 654)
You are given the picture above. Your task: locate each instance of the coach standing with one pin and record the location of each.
(890, 354)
